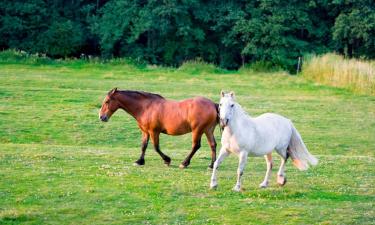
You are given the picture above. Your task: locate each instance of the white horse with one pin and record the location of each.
(244, 135)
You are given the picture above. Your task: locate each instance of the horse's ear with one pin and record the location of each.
(231, 94)
(112, 91)
(222, 93)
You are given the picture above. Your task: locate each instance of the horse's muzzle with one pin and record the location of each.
(104, 118)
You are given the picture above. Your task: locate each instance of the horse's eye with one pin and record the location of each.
(220, 104)
(107, 102)
(232, 105)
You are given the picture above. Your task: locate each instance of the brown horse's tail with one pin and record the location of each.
(218, 117)
(218, 114)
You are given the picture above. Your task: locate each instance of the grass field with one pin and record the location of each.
(60, 165)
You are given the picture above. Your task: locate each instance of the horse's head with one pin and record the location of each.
(109, 106)
(226, 107)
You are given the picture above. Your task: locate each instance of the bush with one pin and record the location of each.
(17, 56)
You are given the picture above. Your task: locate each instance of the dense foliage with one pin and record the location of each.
(227, 33)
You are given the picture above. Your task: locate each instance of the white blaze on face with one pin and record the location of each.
(227, 105)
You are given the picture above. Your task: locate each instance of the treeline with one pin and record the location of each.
(169, 32)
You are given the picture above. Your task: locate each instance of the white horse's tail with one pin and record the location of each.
(298, 152)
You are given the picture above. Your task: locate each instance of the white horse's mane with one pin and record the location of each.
(241, 110)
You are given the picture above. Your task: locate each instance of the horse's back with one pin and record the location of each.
(201, 111)
(272, 118)
(181, 117)
(276, 127)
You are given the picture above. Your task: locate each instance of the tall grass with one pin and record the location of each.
(332, 69)
(14, 56)
(198, 66)
(260, 66)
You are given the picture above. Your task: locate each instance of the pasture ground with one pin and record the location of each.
(60, 165)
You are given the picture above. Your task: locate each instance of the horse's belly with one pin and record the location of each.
(235, 146)
(261, 151)
(177, 129)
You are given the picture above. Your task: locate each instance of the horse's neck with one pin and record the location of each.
(240, 118)
(131, 105)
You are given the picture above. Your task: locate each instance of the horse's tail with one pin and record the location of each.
(298, 152)
(217, 113)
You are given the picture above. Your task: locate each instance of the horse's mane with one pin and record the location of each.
(241, 110)
(143, 94)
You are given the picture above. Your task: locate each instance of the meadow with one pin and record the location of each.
(60, 165)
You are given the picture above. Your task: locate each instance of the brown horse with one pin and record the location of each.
(155, 115)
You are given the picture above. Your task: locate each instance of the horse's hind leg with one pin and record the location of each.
(196, 135)
(281, 178)
(265, 182)
(211, 141)
(141, 160)
(155, 141)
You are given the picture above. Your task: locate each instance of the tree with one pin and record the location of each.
(56, 28)
(354, 30)
(275, 31)
(169, 32)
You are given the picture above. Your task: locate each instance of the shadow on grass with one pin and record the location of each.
(16, 218)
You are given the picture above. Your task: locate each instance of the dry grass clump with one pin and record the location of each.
(332, 69)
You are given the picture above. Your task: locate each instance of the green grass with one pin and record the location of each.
(60, 165)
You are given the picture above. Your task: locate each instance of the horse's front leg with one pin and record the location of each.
(265, 182)
(155, 140)
(141, 160)
(222, 155)
(241, 166)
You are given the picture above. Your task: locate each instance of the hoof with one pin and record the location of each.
(263, 185)
(236, 188)
(211, 166)
(281, 180)
(213, 186)
(167, 161)
(139, 162)
(182, 166)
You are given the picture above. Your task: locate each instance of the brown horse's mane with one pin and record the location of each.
(141, 94)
